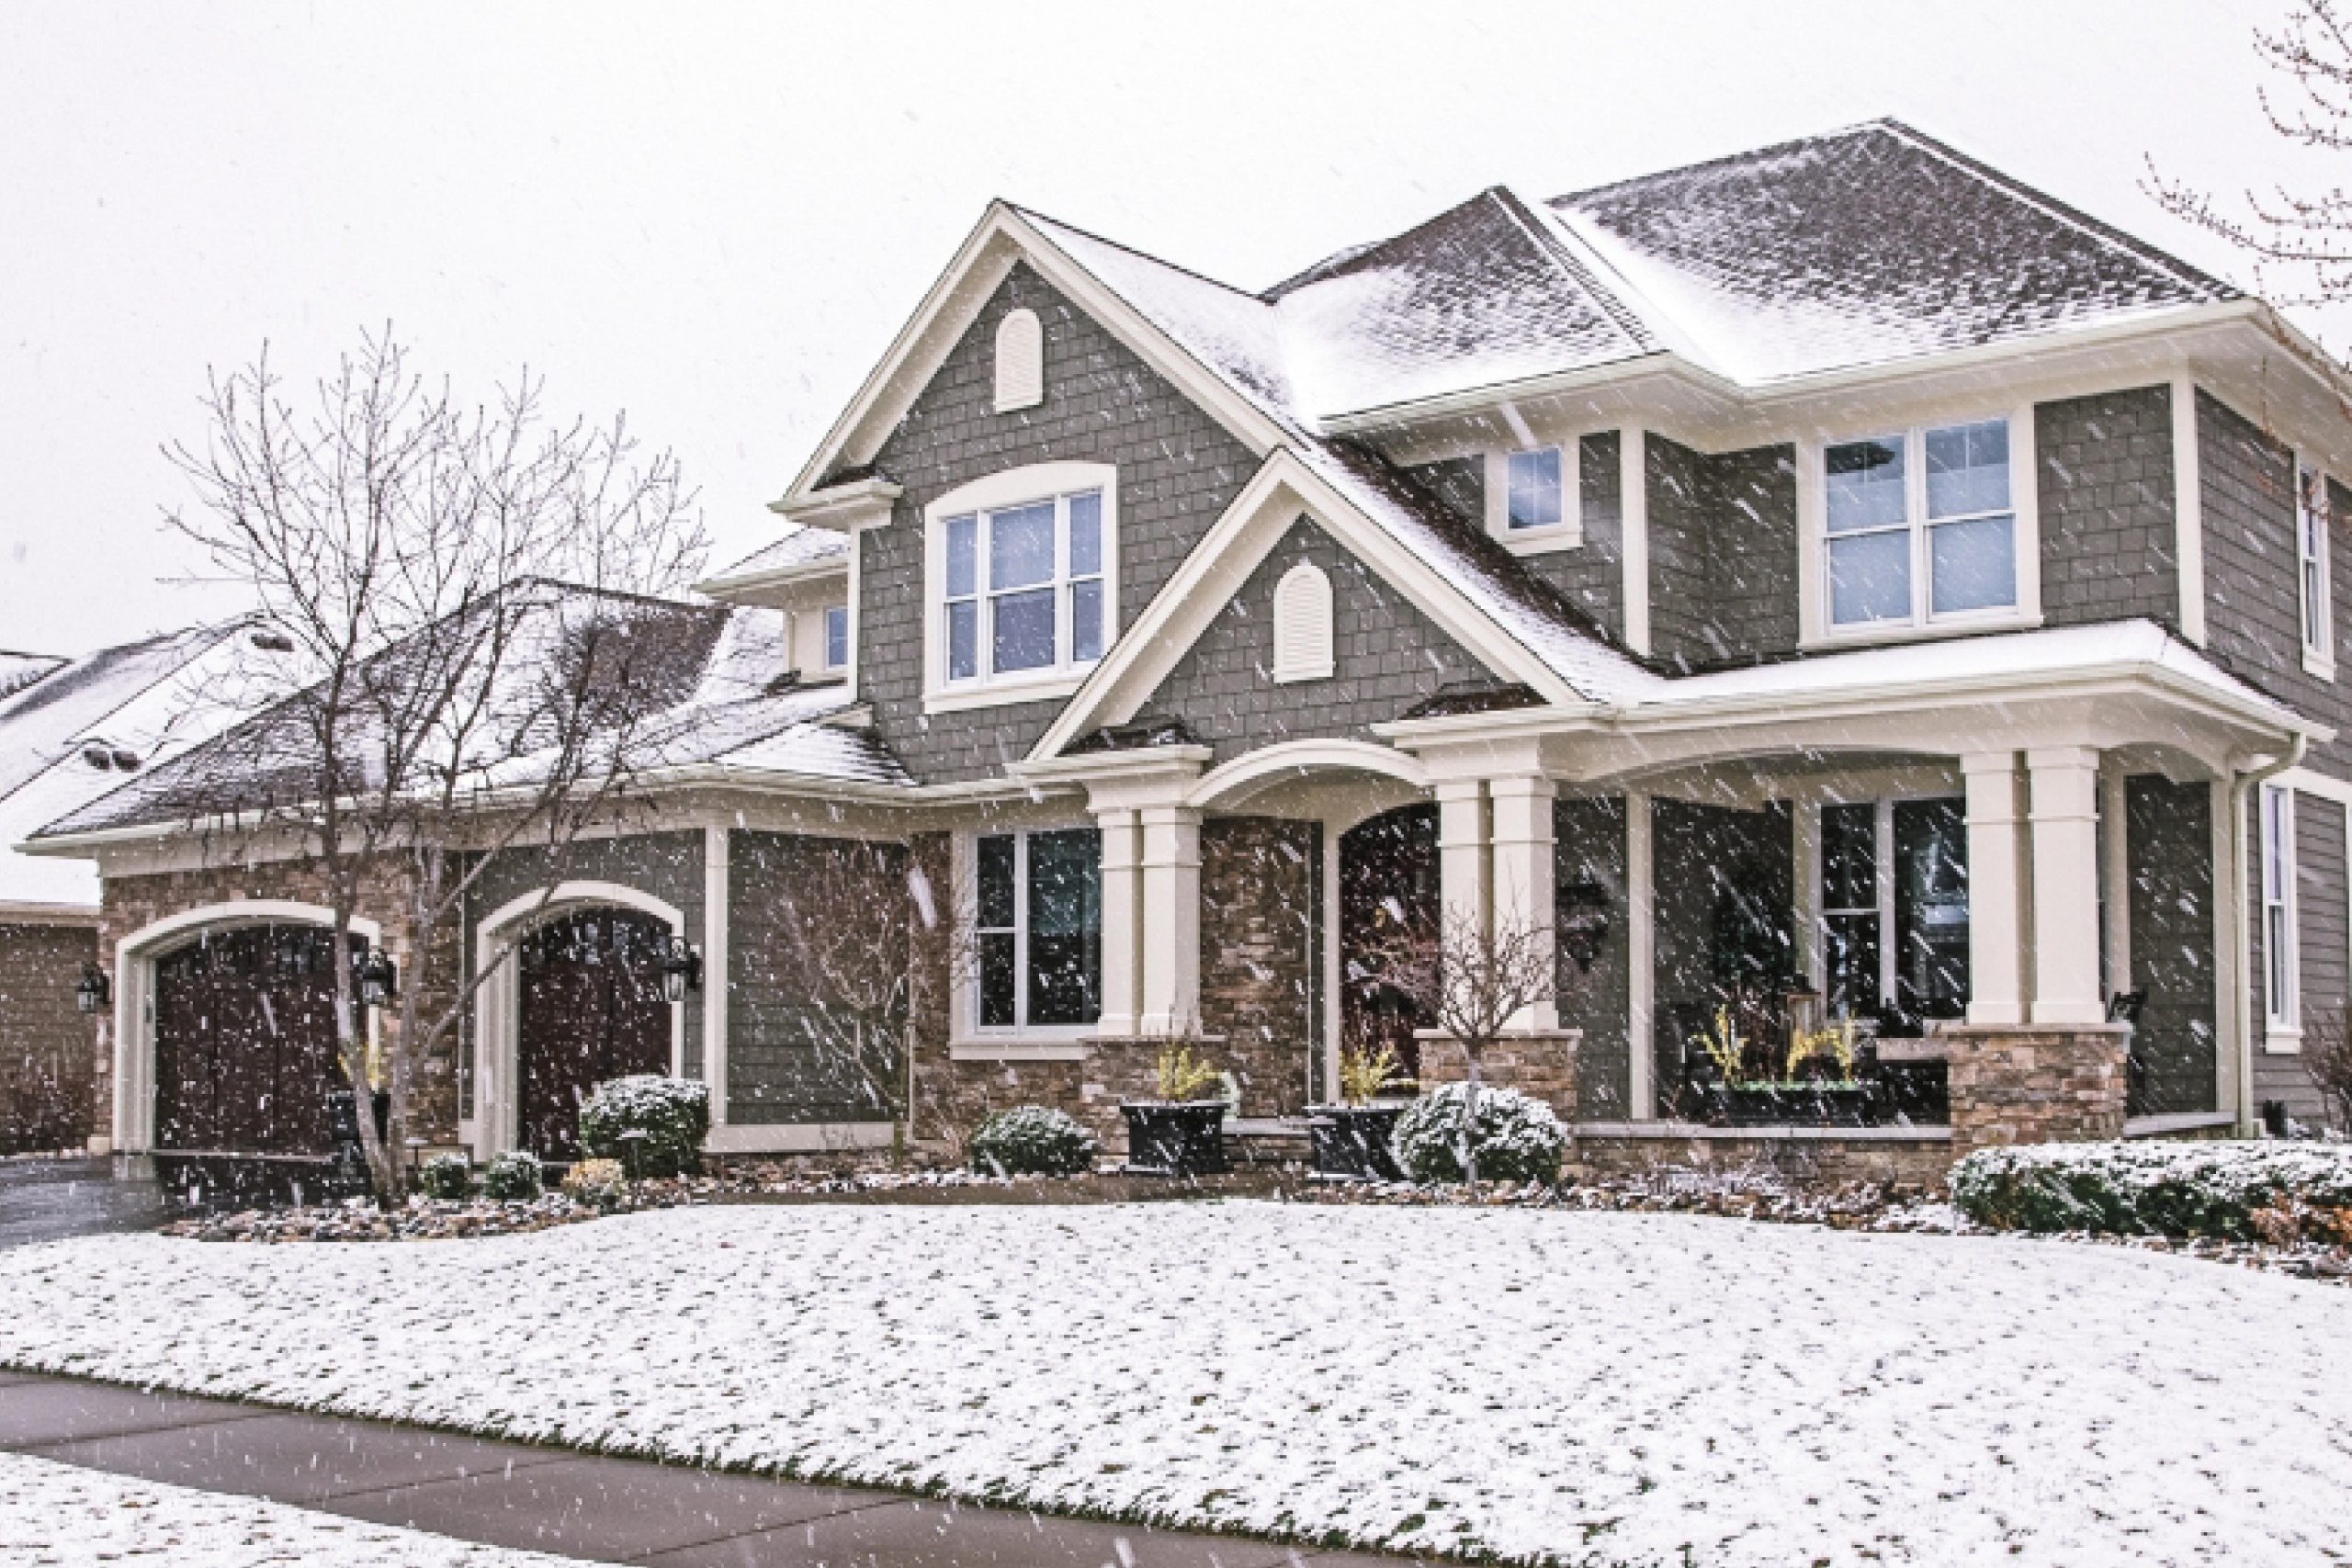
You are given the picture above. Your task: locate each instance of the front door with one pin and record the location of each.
(592, 1010)
(1388, 887)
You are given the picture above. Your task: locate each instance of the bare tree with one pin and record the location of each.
(475, 671)
(2327, 1058)
(2308, 233)
(1472, 979)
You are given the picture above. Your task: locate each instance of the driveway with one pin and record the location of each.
(47, 1200)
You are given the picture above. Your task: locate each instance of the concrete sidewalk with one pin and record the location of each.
(557, 1500)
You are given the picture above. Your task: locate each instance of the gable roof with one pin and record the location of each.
(802, 552)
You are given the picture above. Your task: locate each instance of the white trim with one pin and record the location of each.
(1226, 787)
(1633, 533)
(2318, 619)
(1077, 1048)
(1216, 569)
(2187, 510)
(134, 1000)
(1302, 631)
(717, 852)
(1816, 628)
(964, 1027)
(998, 491)
(2277, 861)
(498, 1003)
(1564, 535)
(2115, 875)
(1641, 981)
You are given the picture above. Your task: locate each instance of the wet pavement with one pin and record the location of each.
(48, 1200)
(556, 1500)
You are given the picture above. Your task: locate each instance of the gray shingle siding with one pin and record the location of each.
(1679, 556)
(1723, 536)
(1591, 847)
(2169, 847)
(2104, 475)
(1386, 657)
(1591, 576)
(1178, 470)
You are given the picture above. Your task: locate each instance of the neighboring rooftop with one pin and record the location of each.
(18, 670)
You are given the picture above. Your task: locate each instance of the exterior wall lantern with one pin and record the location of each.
(1581, 918)
(379, 978)
(93, 991)
(681, 969)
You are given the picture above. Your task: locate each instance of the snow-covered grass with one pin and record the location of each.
(1597, 1388)
(57, 1515)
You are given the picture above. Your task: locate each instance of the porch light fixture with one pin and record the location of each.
(379, 978)
(681, 969)
(1581, 916)
(93, 991)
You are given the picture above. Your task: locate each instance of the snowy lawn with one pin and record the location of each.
(1594, 1388)
(55, 1514)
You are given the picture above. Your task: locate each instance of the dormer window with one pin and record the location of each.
(1020, 579)
(837, 636)
(1532, 497)
(1533, 494)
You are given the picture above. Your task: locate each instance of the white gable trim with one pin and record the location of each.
(1283, 489)
(946, 312)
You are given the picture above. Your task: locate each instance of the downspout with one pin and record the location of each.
(2242, 787)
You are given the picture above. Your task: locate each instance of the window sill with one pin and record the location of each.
(2320, 664)
(1046, 1049)
(1883, 634)
(1539, 541)
(2283, 1041)
(1002, 694)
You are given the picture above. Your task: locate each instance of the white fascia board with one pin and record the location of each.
(782, 577)
(1206, 579)
(1003, 237)
(839, 508)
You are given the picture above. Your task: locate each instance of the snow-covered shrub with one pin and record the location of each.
(1515, 1138)
(2150, 1188)
(1032, 1140)
(600, 1182)
(512, 1176)
(672, 1113)
(446, 1176)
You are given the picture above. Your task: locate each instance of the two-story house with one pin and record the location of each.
(1835, 568)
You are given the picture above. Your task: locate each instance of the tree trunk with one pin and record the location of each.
(1470, 1123)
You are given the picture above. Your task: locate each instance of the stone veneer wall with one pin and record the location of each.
(1540, 1065)
(2035, 1085)
(132, 903)
(1800, 1159)
(48, 1050)
(1259, 879)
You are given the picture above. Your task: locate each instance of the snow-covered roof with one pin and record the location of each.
(717, 674)
(801, 547)
(134, 707)
(18, 670)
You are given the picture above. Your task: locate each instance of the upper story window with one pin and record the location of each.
(1921, 526)
(1037, 924)
(837, 636)
(2279, 944)
(2312, 555)
(1020, 578)
(1533, 494)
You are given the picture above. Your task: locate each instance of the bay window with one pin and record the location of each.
(1022, 589)
(1921, 526)
(1037, 924)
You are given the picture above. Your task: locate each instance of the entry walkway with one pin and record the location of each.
(575, 1504)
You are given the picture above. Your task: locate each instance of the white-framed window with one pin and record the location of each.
(1532, 494)
(1921, 527)
(1894, 909)
(2311, 547)
(1037, 930)
(2280, 947)
(1021, 577)
(1532, 497)
(837, 636)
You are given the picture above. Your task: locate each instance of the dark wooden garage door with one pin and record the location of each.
(244, 1042)
(593, 1009)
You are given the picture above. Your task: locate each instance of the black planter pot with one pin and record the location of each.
(1352, 1141)
(1175, 1137)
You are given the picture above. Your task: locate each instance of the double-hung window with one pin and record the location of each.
(1023, 589)
(837, 636)
(1921, 526)
(1037, 923)
(1895, 909)
(2312, 553)
(2279, 940)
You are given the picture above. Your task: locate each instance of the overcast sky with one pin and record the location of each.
(716, 216)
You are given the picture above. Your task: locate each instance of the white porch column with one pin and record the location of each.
(1641, 980)
(1464, 890)
(1995, 889)
(2115, 874)
(1170, 918)
(1523, 873)
(2065, 884)
(1122, 925)
(715, 857)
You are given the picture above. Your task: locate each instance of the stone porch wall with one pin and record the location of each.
(1258, 967)
(132, 903)
(48, 1049)
(1798, 1156)
(2036, 1085)
(1542, 1066)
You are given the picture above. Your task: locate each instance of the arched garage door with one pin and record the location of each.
(244, 1042)
(591, 1009)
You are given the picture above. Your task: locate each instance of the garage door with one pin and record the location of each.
(244, 1042)
(593, 1009)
